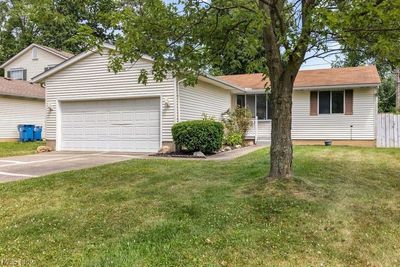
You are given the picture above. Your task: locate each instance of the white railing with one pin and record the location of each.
(255, 125)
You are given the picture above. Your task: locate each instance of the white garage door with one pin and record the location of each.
(131, 125)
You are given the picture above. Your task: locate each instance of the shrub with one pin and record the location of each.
(202, 135)
(238, 121)
(233, 139)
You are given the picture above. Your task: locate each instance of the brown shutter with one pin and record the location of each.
(24, 73)
(348, 102)
(313, 103)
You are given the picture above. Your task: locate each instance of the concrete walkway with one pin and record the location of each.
(233, 154)
(25, 167)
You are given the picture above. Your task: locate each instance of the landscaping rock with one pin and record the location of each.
(228, 148)
(199, 154)
(238, 146)
(42, 149)
(249, 143)
(165, 150)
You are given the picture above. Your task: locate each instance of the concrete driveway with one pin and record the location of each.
(25, 167)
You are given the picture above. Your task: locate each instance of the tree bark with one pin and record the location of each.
(281, 151)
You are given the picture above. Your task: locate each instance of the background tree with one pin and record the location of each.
(387, 90)
(187, 37)
(63, 24)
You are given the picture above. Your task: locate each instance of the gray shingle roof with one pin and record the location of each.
(18, 88)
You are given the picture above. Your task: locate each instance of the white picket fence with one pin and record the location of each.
(388, 130)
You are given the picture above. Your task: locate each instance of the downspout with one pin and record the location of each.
(178, 99)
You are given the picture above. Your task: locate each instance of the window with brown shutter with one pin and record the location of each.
(348, 102)
(314, 103)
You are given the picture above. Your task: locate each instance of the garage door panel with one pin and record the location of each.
(131, 125)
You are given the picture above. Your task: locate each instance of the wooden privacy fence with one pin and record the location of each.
(388, 130)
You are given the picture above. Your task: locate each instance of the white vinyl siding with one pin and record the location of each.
(16, 111)
(34, 66)
(203, 99)
(89, 79)
(335, 126)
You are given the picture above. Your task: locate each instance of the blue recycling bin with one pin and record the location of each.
(37, 133)
(25, 132)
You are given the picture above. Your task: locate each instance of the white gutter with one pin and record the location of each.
(342, 86)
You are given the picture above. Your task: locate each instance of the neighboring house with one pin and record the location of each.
(32, 61)
(20, 103)
(93, 109)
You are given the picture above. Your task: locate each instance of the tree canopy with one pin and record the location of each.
(190, 37)
(70, 25)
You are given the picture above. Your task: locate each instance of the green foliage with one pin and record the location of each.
(367, 29)
(207, 117)
(387, 94)
(10, 149)
(238, 121)
(72, 26)
(202, 135)
(233, 139)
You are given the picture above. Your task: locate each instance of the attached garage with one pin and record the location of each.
(126, 125)
(90, 108)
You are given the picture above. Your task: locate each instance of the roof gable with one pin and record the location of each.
(61, 54)
(43, 76)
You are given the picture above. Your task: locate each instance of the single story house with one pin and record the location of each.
(90, 108)
(339, 104)
(21, 102)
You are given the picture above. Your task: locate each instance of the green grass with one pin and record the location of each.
(342, 208)
(9, 149)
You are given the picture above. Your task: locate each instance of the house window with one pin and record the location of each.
(17, 74)
(34, 53)
(240, 101)
(251, 104)
(258, 104)
(337, 101)
(331, 102)
(262, 107)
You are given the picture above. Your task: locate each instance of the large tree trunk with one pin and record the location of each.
(281, 152)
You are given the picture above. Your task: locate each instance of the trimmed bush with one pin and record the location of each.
(233, 139)
(201, 135)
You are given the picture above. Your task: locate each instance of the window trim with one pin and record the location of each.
(17, 69)
(330, 100)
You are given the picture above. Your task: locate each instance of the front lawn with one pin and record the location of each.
(342, 208)
(9, 149)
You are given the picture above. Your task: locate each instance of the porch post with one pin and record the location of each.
(256, 130)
